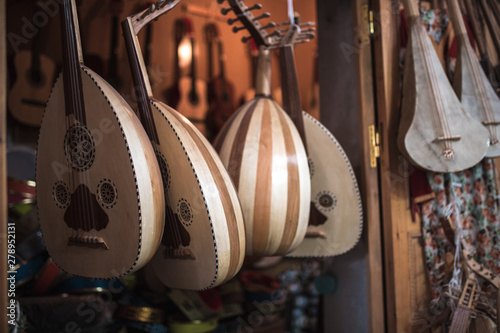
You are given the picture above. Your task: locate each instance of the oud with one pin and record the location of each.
(266, 159)
(99, 193)
(471, 84)
(336, 218)
(435, 132)
(203, 240)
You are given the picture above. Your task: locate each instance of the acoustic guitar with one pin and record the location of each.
(99, 190)
(35, 74)
(435, 132)
(336, 218)
(253, 54)
(189, 94)
(471, 84)
(220, 91)
(263, 152)
(203, 240)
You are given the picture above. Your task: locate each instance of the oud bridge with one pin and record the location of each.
(180, 253)
(447, 138)
(92, 242)
(491, 123)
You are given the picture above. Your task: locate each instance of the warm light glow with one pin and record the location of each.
(185, 52)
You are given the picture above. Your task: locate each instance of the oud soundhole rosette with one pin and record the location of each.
(185, 212)
(106, 193)
(325, 201)
(60, 194)
(164, 169)
(79, 147)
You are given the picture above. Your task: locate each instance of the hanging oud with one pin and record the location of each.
(471, 84)
(435, 132)
(203, 241)
(262, 150)
(99, 190)
(336, 218)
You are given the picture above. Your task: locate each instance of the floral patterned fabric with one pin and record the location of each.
(468, 198)
(435, 22)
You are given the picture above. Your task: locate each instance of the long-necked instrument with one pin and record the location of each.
(99, 190)
(265, 157)
(435, 132)
(203, 242)
(336, 217)
(471, 84)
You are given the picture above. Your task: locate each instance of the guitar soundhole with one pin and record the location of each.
(165, 170)
(35, 77)
(325, 201)
(106, 193)
(311, 166)
(60, 194)
(79, 147)
(185, 212)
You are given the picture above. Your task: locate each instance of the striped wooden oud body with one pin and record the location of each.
(110, 161)
(264, 156)
(203, 241)
(471, 84)
(435, 131)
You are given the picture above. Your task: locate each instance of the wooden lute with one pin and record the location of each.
(336, 218)
(471, 84)
(435, 132)
(262, 150)
(99, 193)
(203, 240)
(35, 74)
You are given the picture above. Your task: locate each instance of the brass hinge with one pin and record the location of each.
(374, 145)
(368, 20)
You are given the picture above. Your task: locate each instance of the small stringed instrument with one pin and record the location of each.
(220, 90)
(435, 132)
(35, 74)
(336, 218)
(471, 84)
(99, 193)
(203, 240)
(262, 150)
(192, 90)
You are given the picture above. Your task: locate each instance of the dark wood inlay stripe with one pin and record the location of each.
(293, 202)
(263, 186)
(236, 156)
(227, 204)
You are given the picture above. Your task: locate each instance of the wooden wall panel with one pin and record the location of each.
(3, 173)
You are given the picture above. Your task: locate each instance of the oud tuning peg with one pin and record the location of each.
(256, 6)
(236, 29)
(246, 39)
(224, 11)
(269, 25)
(232, 20)
(263, 15)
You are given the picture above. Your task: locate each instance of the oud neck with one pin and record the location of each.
(140, 79)
(290, 89)
(263, 75)
(457, 20)
(72, 61)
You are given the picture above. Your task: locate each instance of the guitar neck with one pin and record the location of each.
(141, 81)
(263, 73)
(193, 65)
(290, 90)
(72, 60)
(222, 63)
(210, 59)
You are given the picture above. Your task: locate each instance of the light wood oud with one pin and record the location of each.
(435, 132)
(99, 191)
(263, 153)
(471, 84)
(336, 217)
(203, 241)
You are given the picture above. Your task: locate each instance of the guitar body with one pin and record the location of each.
(204, 240)
(29, 93)
(336, 218)
(99, 191)
(429, 107)
(221, 104)
(266, 160)
(194, 109)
